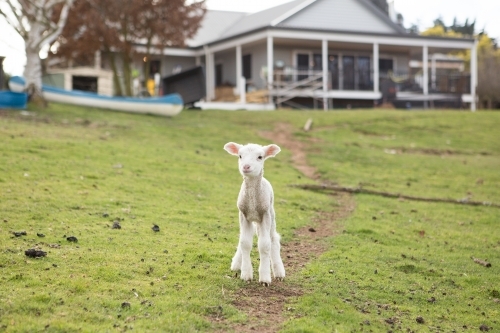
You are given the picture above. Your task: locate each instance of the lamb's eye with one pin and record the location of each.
(260, 157)
(240, 156)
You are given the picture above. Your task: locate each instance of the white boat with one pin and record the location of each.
(168, 105)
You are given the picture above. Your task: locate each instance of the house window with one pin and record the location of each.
(364, 73)
(218, 75)
(349, 72)
(247, 66)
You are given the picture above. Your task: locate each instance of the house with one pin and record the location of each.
(324, 53)
(87, 78)
(334, 52)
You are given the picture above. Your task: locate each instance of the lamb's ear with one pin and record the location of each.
(271, 150)
(232, 148)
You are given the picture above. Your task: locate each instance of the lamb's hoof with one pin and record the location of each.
(246, 275)
(265, 284)
(235, 267)
(236, 274)
(280, 279)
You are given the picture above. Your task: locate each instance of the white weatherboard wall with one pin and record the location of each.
(338, 15)
(104, 78)
(283, 53)
(259, 60)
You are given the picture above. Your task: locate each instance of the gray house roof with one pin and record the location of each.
(260, 19)
(334, 15)
(214, 24)
(342, 15)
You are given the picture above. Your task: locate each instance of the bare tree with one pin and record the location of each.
(39, 22)
(166, 23)
(488, 88)
(91, 27)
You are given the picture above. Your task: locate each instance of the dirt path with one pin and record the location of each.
(265, 307)
(282, 135)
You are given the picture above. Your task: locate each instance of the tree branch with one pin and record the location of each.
(356, 190)
(52, 36)
(18, 26)
(481, 262)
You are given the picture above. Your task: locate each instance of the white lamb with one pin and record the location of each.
(255, 204)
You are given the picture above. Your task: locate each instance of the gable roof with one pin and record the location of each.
(214, 24)
(260, 19)
(342, 15)
(333, 15)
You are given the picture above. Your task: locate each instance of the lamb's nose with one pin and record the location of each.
(246, 167)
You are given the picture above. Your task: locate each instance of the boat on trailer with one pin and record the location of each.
(168, 105)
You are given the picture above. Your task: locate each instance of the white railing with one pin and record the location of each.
(289, 83)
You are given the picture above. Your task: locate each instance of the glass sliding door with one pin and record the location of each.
(385, 65)
(302, 65)
(333, 68)
(317, 62)
(348, 72)
(247, 66)
(364, 74)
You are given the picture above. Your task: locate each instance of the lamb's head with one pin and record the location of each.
(251, 157)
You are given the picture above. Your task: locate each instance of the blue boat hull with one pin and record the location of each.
(169, 105)
(13, 100)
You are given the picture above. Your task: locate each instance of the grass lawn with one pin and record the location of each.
(68, 171)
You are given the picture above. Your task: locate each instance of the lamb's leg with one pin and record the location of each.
(241, 260)
(264, 245)
(276, 262)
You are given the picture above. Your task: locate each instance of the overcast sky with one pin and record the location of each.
(419, 12)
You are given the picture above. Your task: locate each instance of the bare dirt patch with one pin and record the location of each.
(282, 135)
(265, 307)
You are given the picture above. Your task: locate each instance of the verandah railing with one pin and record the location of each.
(290, 79)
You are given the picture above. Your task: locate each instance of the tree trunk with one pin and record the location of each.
(147, 64)
(116, 78)
(127, 74)
(33, 69)
(146, 73)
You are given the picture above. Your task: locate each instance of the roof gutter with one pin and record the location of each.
(374, 34)
(200, 49)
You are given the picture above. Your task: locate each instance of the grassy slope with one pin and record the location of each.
(63, 168)
(399, 260)
(66, 169)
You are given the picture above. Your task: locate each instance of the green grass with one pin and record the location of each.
(69, 171)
